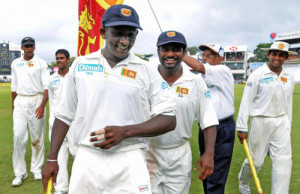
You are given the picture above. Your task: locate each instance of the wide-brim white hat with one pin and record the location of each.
(280, 46)
(216, 48)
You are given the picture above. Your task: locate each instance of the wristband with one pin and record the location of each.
(49, 160)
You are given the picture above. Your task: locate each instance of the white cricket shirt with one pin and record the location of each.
(193, 101)
(29, 77)
(220, 82)
(95, 95)
(266, 94)
(55, 84)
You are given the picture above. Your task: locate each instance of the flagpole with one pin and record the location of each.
(155, 16)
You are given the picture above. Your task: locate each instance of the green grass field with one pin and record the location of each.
(30, 186)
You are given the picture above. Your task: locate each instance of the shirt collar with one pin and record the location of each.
(268, 71)
(31, 60)
(186, 76)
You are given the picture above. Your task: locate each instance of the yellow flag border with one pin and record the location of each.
(106, 5)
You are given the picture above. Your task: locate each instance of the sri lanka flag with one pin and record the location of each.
(90, 13)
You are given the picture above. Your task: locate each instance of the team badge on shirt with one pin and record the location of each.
(129, 73)
(181, 90)
(30, 65)
(283, 79)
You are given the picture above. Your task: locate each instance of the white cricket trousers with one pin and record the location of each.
(104, 172)
(170, 169)
(62, 179)
(23, 117)
(273, 136)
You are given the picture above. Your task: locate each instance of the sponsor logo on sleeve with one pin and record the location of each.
(207, 94)
(249, 84)
(210, 86)
(143, 188)
(266, 80)
(181, 90)
(129, 73)
(90, 68)
(164, 85)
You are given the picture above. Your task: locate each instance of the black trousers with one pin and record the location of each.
(222, 158)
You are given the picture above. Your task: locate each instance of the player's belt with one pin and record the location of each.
(30, 95)
(226, 119)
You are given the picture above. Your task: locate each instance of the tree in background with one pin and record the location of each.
(192, 50)
(260, 55)
(53, 63)
(144, 57)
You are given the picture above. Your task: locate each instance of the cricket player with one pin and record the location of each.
(267, 99)
(55, 84)
(116, 101)
(220, 82)
(169, 159)
(29, 89)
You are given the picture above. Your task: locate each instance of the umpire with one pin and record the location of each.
(220, 82)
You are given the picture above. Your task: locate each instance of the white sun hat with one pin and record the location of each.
(280, 46)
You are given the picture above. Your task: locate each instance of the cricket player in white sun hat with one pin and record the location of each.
(169, 158)
(267, 99)
(116, 102)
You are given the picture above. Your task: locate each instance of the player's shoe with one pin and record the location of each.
(18, 180)
(37, 176)
(244, 188)
(61, 192)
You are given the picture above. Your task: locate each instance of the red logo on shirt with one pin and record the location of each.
(143, 188)
(30, 65)
(181, 90)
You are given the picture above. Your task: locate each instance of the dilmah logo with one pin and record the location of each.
(143, 188)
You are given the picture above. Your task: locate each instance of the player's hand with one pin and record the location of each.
(206, 163)
(39, 112)
(50, 170)
(111, 136)
(242, 136)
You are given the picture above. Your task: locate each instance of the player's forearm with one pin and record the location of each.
(194, 63)
(13, 97)
(210, 134)
(157, 125)
(45, 99)
(58, 135)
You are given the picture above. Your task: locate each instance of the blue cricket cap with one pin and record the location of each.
(121, 15)
(27, 40)
(171, 37)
